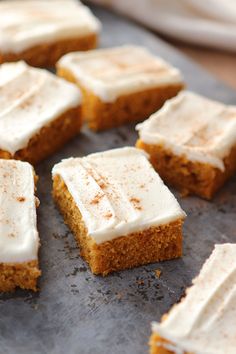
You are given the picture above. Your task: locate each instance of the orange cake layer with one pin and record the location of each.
(40, 32)
(125, 109)
(50, 138)
(151, 245)
(39, 112)
(192, 143)
(19, 242)
(23, 275)
(204, 320)
(46, 55)
(120, 85)
(156, 346)
(190, 177)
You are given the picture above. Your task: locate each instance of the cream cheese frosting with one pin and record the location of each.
(30, 99)
(204, 321)
(123, 193)
(201, 129)
(110, 73)
(27, 23)
(19, 241)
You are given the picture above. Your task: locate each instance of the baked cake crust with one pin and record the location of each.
(157, 243)
(60, 131)
(190, 177)
(47, 54)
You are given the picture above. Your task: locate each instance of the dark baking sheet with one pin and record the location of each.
(76, 312)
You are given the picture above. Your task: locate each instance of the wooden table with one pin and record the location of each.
(219, 63)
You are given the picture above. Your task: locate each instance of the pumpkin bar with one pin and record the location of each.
(204, 321)
(120, 85)
(41, 31)
(121, 213)
(192, 143)
(39, 112)
(19, 241)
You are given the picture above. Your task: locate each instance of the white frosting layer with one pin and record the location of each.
(194, 126)
(19, 241)
(110, 73)
(205, 320)
(30, 99)
(123, 193)
(26, 23)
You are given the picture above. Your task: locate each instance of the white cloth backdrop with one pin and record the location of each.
(211, 23)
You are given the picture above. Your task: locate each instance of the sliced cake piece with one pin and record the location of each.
(192, 143)
(121, 213)
(19, 240)
(39, 112)
(41, 31)
(120, 85)
(204, 321)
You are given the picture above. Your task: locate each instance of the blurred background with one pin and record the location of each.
(205, 30)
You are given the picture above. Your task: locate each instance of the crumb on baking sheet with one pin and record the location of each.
(158, 273)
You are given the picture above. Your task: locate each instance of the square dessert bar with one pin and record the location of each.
(19, 241)
(39, 112)
(120, 85)
(192, 143)
(121, 213)
(205, 320)
(41, 31)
